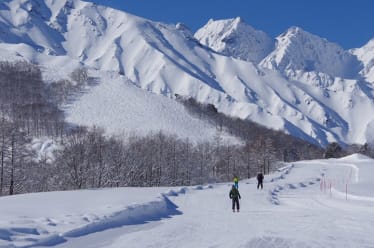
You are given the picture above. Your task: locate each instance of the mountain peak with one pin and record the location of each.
(186, 31)
(366, 55)
(233, 37)
(238, 20)
(298, 50)
(230, 21)
(369, 45)
(295, 30)
(183, 28)
(296, 34)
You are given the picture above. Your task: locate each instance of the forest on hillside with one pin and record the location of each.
(86, 157)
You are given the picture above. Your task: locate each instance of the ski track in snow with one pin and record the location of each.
(279, 188)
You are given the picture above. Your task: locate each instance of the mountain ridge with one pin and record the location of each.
(322, 104)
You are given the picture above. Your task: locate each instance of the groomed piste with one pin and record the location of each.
(317, 203)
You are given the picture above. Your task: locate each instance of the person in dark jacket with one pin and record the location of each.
(260, 178)
(235, 196)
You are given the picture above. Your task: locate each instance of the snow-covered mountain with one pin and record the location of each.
(233, 37)
(305, 86)
(298, 50)
(366, 55)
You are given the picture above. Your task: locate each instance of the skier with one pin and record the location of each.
(236, 182)
(235, 196)
(260, 178)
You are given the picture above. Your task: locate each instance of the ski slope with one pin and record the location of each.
(296, 208)
(125, 110)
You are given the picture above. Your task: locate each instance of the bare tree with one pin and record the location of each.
(80, 76)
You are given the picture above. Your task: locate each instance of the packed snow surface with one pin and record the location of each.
(317, 203)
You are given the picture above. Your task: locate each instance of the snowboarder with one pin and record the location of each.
(236, 182)
(260, 178)
(235, 196)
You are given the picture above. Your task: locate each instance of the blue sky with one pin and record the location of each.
(349, 23)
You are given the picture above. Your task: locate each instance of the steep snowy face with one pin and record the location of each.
(366, 55)
(26, 22)
(76, 29)
(298, 50)
(233, 37)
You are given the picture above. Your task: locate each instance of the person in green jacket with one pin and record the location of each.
(236, 182)
(235, 196)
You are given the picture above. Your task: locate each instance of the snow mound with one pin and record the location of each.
(132, 215)
(78, 213)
